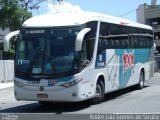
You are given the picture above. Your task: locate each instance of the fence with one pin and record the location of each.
(6, 70)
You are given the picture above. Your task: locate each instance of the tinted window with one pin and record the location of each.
(123, 37)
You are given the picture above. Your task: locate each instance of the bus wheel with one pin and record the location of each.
(100, 91)
(141, 81)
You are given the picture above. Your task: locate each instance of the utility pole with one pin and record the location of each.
(61, 1)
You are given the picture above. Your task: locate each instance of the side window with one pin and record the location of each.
(135, 37)
(84, 51)
(104, 30)
(119, 36)
(104, 38)
(150, 37)
(115, 35)
(150, 41)
(141, 38)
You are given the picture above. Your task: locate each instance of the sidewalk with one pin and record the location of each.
(6, 85)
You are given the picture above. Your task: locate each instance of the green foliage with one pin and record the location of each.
(12, 15)
(1, 46)
(9, 54)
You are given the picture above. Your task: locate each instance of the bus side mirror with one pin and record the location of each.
(7, 39)
(80, 37)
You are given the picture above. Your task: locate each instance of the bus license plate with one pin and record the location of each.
(42, 95)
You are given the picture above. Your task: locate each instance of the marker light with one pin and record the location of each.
(123, 22)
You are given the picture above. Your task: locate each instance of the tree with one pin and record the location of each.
(13, 13)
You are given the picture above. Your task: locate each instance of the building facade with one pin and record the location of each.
(150, 15)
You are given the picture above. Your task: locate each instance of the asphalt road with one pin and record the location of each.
(128, 100)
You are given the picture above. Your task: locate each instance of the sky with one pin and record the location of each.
(118, 8)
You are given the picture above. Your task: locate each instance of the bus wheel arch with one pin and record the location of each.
(100, 91)
(140, 85)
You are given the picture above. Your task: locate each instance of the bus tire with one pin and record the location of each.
(140, 85)
(100, 92)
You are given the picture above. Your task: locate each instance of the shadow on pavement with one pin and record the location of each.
(121, 93)
(57, 108)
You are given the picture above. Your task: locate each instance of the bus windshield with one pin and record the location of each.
(47, 51)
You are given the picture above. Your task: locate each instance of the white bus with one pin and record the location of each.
(71, 57)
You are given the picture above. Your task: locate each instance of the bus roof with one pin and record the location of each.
(77, 18)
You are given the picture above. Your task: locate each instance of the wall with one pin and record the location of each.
(140, 14)
(6, 70)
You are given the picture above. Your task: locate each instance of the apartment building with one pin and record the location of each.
(150, 15)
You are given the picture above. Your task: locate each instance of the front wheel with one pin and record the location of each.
(100, 91)
(141, 81)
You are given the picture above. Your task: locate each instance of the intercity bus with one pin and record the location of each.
(71, 57)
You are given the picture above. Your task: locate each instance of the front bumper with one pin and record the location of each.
(70, 94)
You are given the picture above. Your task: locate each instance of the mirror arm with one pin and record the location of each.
(80, 38)
(7, 39)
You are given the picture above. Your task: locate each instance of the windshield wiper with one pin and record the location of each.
(52, 63)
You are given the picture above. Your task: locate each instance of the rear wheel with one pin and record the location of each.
(141, 81)
(100, 91)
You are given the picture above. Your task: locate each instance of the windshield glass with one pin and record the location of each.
(47, 51)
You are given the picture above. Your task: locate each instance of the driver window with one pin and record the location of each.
(84, 52)
(88, 43)
(87, 49)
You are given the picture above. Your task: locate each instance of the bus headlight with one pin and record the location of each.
(18, 84)
(72, 83)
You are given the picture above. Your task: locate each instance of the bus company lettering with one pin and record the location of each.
(128, 61)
